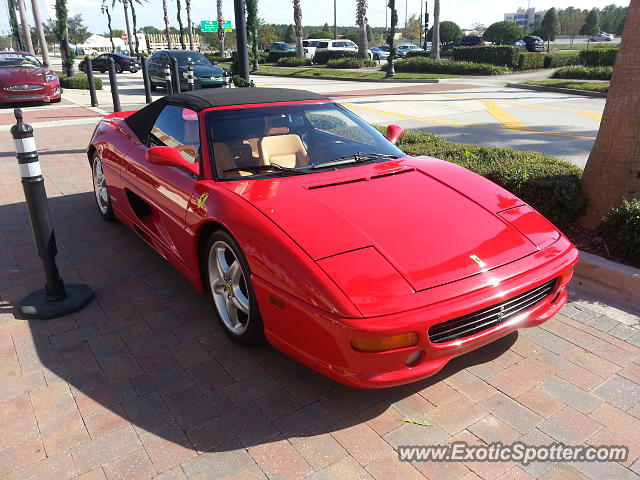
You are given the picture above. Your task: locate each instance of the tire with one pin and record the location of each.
(100, 189)
(103, 71)
(118, 69)
(134, 70)
(57, 100)
(228, 280)
(152, 86)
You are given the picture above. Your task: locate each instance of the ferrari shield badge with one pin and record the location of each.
(202, 200)
(477, 259)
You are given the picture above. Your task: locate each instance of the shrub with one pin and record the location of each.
(554, 60)
(550, 185)
(79, 82)
(501, 55)
(605, 57)
(293, 62)
(530, 61)
(427, 65)
(584, 73)
(418, 53)
(622, 227)
(323, 56)
(274, 55)
(216, 58)
(503, 32)
(351, 63)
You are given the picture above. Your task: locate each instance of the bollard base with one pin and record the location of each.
(36, 305)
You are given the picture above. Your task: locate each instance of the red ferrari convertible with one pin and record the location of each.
(308, 227)
(24, 79)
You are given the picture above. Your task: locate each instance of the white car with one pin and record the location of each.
(602, 37)
(402, 50)
(343, 44)
(311, 45)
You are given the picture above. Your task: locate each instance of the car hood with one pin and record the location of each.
(204, 70)
(429, 232)
(13, 75)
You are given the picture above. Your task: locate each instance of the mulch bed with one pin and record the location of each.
(593, 242)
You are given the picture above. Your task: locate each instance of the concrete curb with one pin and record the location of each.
(609, 278)
(368, 80)
(543, 88)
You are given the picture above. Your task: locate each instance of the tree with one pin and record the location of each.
(13, 23)
(297, 19)
(391, 35)
(125, 7)
(435, 42)
(77, 30)
(44, 49)
(612, 173)
(361, 21)
(550, 26)
(290, 35)
(478, 29)
(252, 31)
(61, 34)
(24, 23)
(189, 24)
(134, 20)
(267, 34)
(449, 32)
(150, 30)
(165, 13)
(105, 10)
(571, 22)
(220, 26)
(591, 25)
(503, 32)
(180, 27)
(413, 28)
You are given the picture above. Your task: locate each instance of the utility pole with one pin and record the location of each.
(335, 19)
(406, 14)
(426, 24)
(41, 38)
(241, 38)
(422, 20)
(26, 33)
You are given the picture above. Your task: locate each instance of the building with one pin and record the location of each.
(525, 18)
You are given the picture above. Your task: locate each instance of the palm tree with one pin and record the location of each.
(297, 19)
(125, 6)
(135, 27)
(435, 37)
(220, 27)
(180, 27)
(361, 21)
(252, 31)
(190, 27)
(612, 173)
(44, 48)
(105, 10)
(165, 12)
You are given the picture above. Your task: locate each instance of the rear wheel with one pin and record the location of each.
(229, 284)
(101, 190)
(152, 86)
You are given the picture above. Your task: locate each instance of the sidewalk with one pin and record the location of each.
(143, 384)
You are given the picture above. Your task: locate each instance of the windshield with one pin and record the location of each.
(299, 138)
(195, 58)
(18, 60)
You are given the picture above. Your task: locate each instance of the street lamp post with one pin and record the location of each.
(241, 38)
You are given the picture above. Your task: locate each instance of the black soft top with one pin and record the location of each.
(142, 121)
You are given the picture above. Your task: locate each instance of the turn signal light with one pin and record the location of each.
(381, 344)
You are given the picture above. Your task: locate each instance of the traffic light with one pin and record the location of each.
(426, 23)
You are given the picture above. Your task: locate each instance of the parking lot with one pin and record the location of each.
(143, 384)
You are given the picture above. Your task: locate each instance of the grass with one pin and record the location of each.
(559, 47)
(316, 72)
(587, 86)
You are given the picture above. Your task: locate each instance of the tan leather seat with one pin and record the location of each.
(224, 160)
(284, 150)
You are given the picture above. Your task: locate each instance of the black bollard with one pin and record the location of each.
(190, 79)
(145, 78)
(113, 84)
(167, 79)
(56, 299)
(88, 66)
(175, 75)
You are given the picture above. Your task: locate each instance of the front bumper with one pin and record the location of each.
(50, 92)
(202, 82)
(323, 342)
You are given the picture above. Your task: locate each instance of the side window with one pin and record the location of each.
(323, 44)
(178, 127)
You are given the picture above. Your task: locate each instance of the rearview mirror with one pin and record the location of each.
(394, 132)
(170, 157)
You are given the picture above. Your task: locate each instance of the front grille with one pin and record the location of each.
(488, 317)
(25, 87)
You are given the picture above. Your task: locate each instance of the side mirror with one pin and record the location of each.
(394, 132)
(170, 157)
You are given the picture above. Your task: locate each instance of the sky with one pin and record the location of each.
(314, 12)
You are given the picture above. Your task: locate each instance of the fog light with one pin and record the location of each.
(413, 358)
(381, 344)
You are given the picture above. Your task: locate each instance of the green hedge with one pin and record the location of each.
(351, 63)
(418, 53)
(293, 62)
(530, 61)
(216, 58)
(500, 55)
(584, 73)
(427, 65)
(274, 55)
(550, 185)
(622, 227)
(78, 82)
(598, 57)
(321, 57)
(554, 60)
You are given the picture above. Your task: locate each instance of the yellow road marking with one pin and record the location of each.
(462, 124)
(505, 118)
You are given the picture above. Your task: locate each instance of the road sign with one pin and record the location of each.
(125, 37)
(212, 26)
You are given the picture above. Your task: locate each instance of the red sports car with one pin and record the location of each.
(308, 227)
(24, 79)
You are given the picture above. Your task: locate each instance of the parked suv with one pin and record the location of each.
(534, 43)
(205, 73)
(122, 63)
(311, 45)
(279, 46)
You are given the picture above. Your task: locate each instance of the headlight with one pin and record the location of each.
(50, 77)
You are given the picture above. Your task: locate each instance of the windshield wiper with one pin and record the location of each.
(274, 167)
(359, 157)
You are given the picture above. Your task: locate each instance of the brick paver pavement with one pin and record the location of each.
(142, 384)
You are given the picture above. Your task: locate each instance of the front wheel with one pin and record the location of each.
(152, 86)
(100, 189)
(229, 284)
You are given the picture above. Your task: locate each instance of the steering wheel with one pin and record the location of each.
(325, 151)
